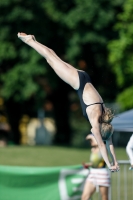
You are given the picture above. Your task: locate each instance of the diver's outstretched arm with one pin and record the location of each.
(110, 148)
(96, 132)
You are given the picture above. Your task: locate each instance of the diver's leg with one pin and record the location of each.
(64, 70)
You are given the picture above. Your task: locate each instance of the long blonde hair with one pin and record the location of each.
(107, 115)
(106, 131)
(106, 127)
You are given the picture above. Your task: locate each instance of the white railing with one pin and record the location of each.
(121, 183)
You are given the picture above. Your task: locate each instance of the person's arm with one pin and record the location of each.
(86, 165)
(111, 151)
(129, 149)
(96, 132)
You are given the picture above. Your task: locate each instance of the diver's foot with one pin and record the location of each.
(26, 38)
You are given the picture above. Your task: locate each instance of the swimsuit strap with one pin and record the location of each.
(98, 103)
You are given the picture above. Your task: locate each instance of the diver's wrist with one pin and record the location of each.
(109, 166)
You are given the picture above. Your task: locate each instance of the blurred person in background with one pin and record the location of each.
(5, 129)
(129, 150)
(92, 103)
(99, 177)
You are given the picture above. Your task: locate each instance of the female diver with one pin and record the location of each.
(92, 103)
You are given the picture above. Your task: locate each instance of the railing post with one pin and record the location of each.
(125, 163)
(125, 181)
(110, 195)
(118, 185)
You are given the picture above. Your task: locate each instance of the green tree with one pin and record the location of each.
(121, 55)
(78, 31)
(88, 26)
(23, 71)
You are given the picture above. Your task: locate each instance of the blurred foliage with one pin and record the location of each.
(78, 31)
(80, 28)
(121, 55)
(88, 26)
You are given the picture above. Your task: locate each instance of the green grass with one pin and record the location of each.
(63, 156)
(48, 155)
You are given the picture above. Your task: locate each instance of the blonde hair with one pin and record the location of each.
(106, 127)
(107, 115)
(106, 131)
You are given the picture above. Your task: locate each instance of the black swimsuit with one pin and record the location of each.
(84, 78)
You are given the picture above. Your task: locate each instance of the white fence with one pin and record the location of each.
(121, 183)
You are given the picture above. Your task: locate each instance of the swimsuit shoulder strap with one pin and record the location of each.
(98, 103)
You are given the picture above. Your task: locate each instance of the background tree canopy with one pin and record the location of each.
(121, 55)
(79, 32)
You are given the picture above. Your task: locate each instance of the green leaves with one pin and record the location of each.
(121, 54)
(125, 98)
(76, 30)
(19, 82)
(7, 51)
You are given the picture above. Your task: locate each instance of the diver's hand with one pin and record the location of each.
(114, 168)
(117, 165)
